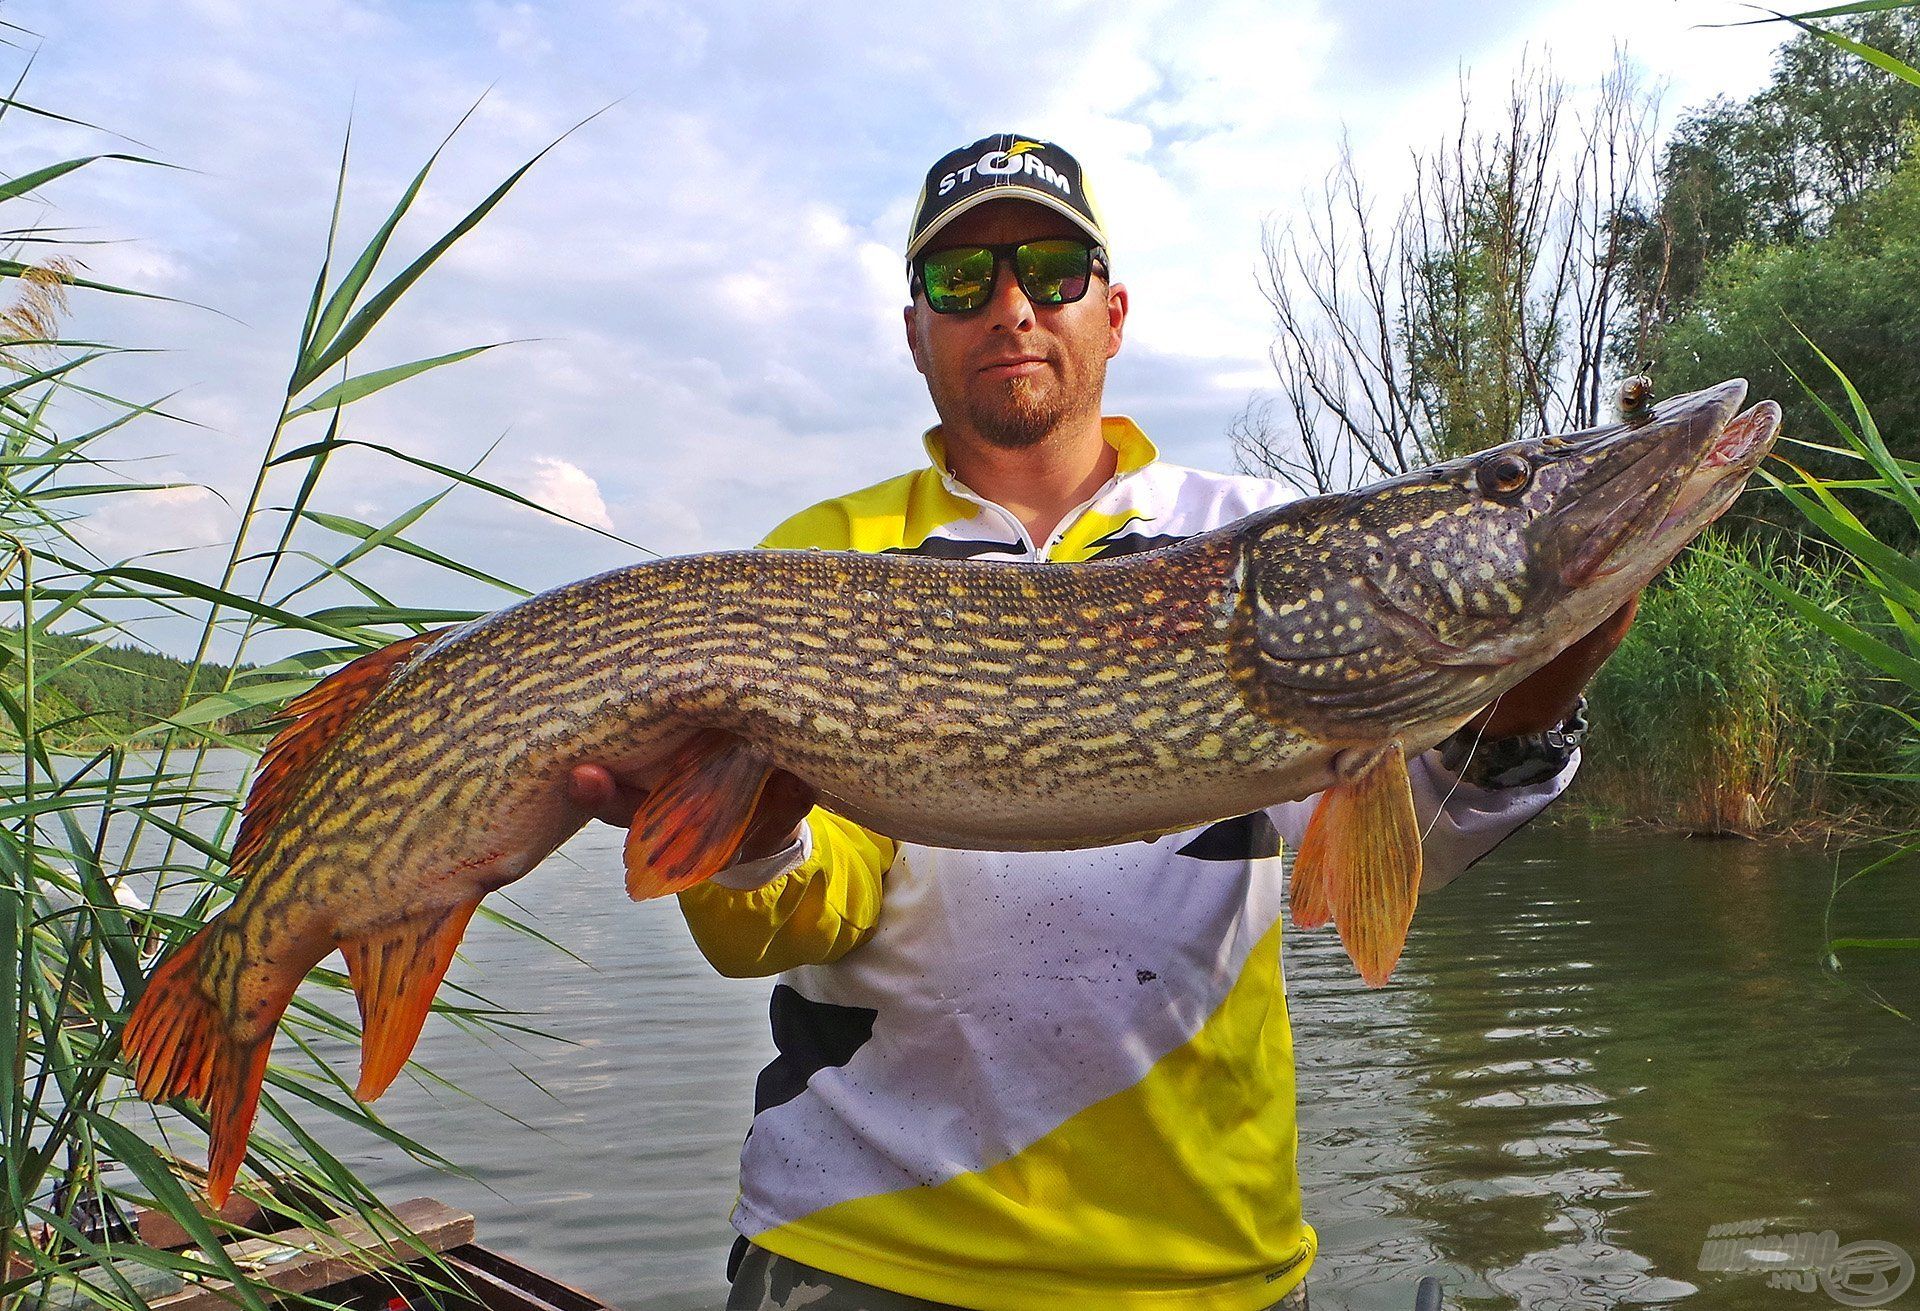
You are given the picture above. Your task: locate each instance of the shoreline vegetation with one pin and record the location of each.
(102, 695)
(1725, 713)
(1793, 667)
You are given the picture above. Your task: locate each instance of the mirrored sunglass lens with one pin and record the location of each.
(960, 279)
(1053, 272)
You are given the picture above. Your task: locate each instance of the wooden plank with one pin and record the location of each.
(302, 1260)
(158, 1229)
(535, 1291)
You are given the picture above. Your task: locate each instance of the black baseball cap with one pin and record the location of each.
(1006, 166)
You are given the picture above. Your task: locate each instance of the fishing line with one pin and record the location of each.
(1461, 776)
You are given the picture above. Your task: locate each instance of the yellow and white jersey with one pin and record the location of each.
(1023, 1080)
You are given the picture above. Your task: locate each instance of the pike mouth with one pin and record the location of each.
(1739, 450)
(1686, 498)
(1745, 437)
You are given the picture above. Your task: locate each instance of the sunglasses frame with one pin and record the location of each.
(1004, 252)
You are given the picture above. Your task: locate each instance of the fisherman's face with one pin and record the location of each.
(1011, 372)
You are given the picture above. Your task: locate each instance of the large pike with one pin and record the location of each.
(1303, 649)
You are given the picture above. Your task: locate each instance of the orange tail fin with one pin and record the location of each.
(1360, 860)
(395, 974)
(689, 827)
(182, 1044)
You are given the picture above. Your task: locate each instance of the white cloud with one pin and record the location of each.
(566, 489)
(129, 525)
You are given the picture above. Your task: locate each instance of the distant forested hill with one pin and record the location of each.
(104, 693)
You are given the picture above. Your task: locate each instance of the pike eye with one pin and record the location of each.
(1503, 475)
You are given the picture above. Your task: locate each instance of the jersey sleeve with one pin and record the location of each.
(1460, 821)
(808, 905)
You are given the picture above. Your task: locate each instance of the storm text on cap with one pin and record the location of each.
(1005, 163)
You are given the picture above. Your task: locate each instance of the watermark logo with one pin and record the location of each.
(1871, 1272)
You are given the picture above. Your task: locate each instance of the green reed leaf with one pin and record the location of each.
(373, 538)
(1866, 438)
(1880, 59)
(1861, 643)
(322, 330)
(355, 330)
(494, 490)
(13, 268)
(189, 587)
(1848, 532)
(39, 177)
(154, 1175)
(366, 615)
(353, 389)
(325, 270)
(238, 700)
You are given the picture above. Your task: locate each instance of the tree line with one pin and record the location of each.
(1535, 257)
(91, 692)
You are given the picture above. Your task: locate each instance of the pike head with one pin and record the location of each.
(1399, 610)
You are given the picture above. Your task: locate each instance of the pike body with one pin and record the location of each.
(990, 705)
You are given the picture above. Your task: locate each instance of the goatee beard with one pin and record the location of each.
(1031, 410)
(1023, 417)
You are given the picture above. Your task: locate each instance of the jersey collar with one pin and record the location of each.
(1135, 449)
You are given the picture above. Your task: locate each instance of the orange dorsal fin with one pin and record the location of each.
(691, 824)
(313, 718)
(1360, 861)
(395, 973)
(181, 1044)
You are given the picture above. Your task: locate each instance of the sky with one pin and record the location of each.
(703, 283)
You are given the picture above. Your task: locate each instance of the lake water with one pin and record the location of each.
(1597, 1049)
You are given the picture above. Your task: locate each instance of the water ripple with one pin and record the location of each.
(1594, 1050)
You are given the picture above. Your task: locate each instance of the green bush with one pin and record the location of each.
(1727, 712)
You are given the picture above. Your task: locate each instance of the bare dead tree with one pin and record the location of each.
(1333, 281)
(1486, 309)
(1479, 233)
(1613, 181)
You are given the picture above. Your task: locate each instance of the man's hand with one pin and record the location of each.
(1544, 698)
(774, 827)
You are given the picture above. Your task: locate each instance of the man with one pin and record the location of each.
(1058, 1079)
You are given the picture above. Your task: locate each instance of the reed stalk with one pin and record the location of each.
(113, 855)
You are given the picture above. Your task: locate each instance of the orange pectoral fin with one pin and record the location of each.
(689, 826)
(395, 973)
(1361, 862)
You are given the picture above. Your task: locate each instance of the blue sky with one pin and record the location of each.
(709, 271)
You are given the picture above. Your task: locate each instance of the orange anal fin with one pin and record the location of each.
(313, 719)
(182, 1044)
(395, 973)
(689, 826)
(1361, 856)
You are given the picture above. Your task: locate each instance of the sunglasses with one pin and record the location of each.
(1055, 271)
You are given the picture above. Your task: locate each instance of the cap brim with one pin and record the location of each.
(1010, 191)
